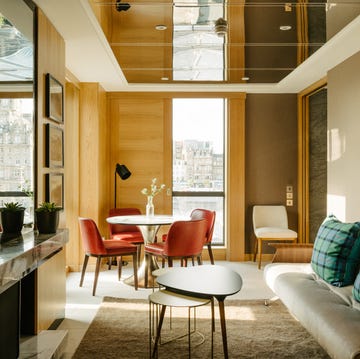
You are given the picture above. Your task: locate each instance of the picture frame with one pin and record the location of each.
(54, 99)
(54, 188)
(54, 143)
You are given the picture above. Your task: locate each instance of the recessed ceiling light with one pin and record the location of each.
(245, 78)
(161, 27)
(285, 27)
(165, 79)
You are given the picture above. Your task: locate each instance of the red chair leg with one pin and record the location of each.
(138, 251)
(97, 270)
(135, 266)
(210, 253)
(147, 263)
(119, 267)
(86, 259)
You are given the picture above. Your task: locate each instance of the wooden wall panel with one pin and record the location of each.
(51, 290)
(94, 177)
(72, 163)
(51, 59)
(235, 199)
(139, 139)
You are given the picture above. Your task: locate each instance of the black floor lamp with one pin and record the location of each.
(124, 174)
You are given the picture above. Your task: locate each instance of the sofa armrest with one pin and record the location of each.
(292, 252)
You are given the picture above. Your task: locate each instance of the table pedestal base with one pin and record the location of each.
(141, 275)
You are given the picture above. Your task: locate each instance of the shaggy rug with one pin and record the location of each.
(120, 330)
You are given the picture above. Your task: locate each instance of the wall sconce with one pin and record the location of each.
(124, 174)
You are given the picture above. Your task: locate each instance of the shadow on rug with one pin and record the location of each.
(120, 330)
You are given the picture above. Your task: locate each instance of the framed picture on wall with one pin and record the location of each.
(54, 99)
(54, 143)
(54, 188)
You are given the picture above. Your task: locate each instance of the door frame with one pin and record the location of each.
(303, 158)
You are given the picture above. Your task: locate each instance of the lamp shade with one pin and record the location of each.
(122, 171)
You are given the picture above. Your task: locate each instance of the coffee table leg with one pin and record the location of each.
(158, 330)
(223, 326)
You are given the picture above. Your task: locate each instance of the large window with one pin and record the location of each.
(198, 158)
(17, 105)
(16, 153)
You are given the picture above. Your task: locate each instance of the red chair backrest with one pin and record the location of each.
(185, 238)
(120, 228)
(209, 216)
(90, 236)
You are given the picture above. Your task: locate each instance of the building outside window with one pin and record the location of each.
(198, 159)
(16, 153)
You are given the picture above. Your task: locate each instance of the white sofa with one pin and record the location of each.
(329, 313)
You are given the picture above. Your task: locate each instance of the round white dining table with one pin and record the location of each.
(149, 226)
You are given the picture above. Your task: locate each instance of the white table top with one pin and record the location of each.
(143, 220)
(213, 280)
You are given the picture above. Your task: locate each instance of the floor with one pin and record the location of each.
(81, 306)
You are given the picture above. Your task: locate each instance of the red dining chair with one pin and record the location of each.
(184, 240)
(95, 246)
(209, 216)
(125, 232)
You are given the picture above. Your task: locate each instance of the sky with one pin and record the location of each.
(198, 119)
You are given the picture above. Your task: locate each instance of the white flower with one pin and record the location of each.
(154, 189)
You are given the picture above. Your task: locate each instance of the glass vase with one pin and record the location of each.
(150, 207)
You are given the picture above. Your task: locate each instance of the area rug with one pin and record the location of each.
(120, 330)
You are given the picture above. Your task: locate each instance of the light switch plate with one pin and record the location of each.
(289, 188)
(289, 202)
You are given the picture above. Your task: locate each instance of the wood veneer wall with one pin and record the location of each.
(51, 295)
(94, 180)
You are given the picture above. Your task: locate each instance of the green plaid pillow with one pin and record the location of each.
(336, 253)
(356, 289)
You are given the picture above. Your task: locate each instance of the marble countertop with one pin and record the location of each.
(21, 255)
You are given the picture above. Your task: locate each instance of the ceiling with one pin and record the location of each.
(124, 52)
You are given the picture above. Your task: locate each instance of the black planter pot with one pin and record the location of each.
(12, 221)
(47, 222)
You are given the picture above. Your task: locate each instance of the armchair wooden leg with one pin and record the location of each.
(260, 252)
(97, 270)
(86, 259)
(255, 249)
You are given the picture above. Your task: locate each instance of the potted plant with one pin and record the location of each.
(12, 217)
(47, 217)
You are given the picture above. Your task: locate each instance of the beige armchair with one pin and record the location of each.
(270, 224)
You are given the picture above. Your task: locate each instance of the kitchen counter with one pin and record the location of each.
(22, 254)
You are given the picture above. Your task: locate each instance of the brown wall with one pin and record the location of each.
(271, 155)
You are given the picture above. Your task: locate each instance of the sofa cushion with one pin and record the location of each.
(323, 312)
(356, 289)
(336, 252)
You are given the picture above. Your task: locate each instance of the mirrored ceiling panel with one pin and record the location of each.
(217, 41)
(16, 42)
